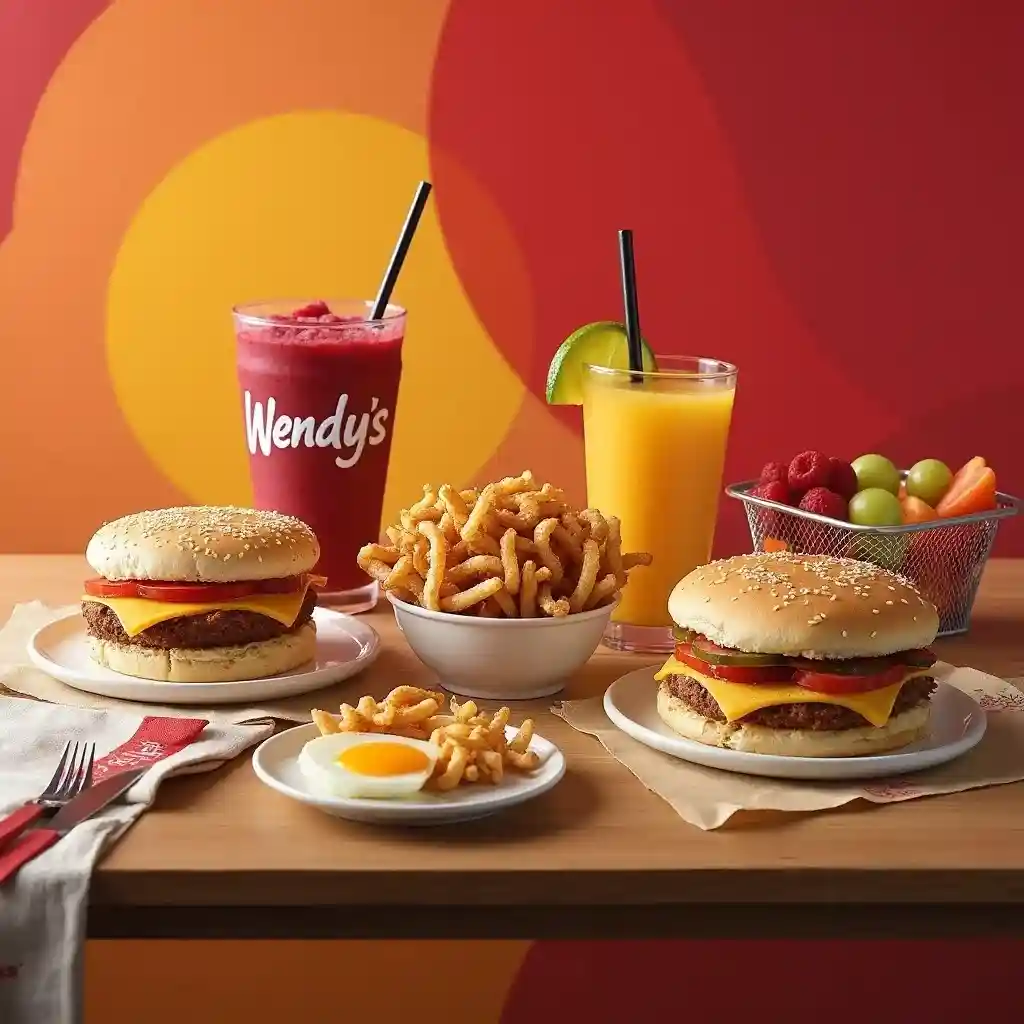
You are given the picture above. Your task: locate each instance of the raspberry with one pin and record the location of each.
(841, 478)
(824, 502)
(313, 311)
(774, 524)
(808, 470)
(775, 471)
(774, 490)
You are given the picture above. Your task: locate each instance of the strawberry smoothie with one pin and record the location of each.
(319, 385)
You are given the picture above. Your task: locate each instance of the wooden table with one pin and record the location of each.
(598, 856)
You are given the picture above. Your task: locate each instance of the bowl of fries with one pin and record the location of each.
(504, 590)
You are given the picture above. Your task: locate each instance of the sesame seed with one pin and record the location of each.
(874, 611)
(874, 632)
(844, 633)
(776, 607)
(888, 602)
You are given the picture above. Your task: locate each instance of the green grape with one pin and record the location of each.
(889, 550)
(875, 507)
(929, 480)
(876, 471)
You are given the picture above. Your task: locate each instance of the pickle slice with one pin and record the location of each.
(715, 655)
(923, 657)
(684, 636)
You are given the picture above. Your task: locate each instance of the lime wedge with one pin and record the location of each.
(600, 344)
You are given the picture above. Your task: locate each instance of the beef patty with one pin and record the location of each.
(795, 716)
(214, 629)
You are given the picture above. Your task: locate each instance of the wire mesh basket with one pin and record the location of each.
(944, 557)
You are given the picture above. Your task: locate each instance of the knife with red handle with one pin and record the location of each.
(33, 842)
(17, 821)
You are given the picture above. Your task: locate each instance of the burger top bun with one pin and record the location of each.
(811, 606)
(203, 544)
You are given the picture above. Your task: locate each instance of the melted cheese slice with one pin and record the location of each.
(139, 613)
(738, 700)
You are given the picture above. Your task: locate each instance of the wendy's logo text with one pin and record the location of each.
(349, 432)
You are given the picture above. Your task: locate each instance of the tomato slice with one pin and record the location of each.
(193, 593)
(100, 587)
(823, 682)
(199, 593)
(749, 674)
(753, 675)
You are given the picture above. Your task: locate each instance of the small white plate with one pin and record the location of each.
(275, 761)
(957, 725)
(344, 646)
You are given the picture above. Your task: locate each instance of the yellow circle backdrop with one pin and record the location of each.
(308, 205)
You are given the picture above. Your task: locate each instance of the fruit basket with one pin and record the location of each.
(944, 557)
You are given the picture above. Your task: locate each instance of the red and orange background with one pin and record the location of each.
(826, 192)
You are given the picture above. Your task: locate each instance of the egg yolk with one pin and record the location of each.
(383, 759)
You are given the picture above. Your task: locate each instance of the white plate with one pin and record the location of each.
(275, 761)
(344, 646)
(957, 725)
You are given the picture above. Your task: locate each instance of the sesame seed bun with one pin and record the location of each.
(203, 544)
(208, 664)
(899, 731)
(811, 606)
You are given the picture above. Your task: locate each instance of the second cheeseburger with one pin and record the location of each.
(202, 594)
(799, 655)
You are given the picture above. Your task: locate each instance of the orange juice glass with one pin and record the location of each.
(655, 449)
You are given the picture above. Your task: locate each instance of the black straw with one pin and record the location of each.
(387, 286)
(628, 264)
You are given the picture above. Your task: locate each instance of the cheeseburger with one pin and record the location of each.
(799, 655)
(202, 594)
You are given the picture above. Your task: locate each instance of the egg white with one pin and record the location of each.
(318, 762)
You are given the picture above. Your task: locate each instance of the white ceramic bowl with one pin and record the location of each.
(501, 659)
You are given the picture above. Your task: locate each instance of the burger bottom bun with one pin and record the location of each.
(208, 664)
(899, 731)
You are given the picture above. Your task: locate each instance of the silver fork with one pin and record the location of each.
(72, 776)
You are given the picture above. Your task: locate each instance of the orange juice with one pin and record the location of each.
(655, 450)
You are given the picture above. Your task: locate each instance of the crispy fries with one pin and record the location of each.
(474, 745)
(514, 548)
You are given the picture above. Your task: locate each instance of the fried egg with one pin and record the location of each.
(367, 765)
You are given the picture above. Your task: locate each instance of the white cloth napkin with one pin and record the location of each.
(43, 909)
